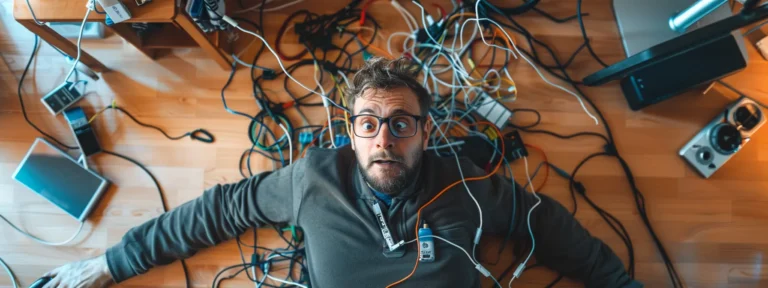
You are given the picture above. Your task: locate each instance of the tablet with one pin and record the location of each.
(53, 174)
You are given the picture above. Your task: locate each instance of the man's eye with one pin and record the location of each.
(400, 125)
(368, 126)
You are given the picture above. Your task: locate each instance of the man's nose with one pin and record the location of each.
(385, 140)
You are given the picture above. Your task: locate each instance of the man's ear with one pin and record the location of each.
(351, 136)
(427, 131)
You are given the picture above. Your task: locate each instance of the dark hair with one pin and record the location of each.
(380, 73)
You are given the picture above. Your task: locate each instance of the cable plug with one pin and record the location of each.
(482, 270)
(397, 245)
(580, 188)
(269, 74)
(519, 270)
(230, 21)
(610, 149)
(366, 55)
(330, 67)
(478, 234)
(560, 171)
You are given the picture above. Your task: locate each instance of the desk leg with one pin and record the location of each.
(125, 31)
(63, 44)
(199, 36)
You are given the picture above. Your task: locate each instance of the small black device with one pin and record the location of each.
(62, 97)
(480, 151)
(681, 63)
(40, 282)
(84, 134)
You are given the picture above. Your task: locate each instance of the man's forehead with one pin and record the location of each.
(388, 101)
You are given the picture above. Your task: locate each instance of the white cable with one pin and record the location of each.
(330, 126)
(478, 266)
(477, 23)
(389, 40)
(32, 12)
(10, 273)
(287, 74)
(241, 62)
(407, 22)
(290, 145)
(41, 241)
(521, 267)
(455, 143)
(424, 22)
(79, 50)
(346, 80)
(479, 230)
(405, 12)
(452, 244)
(285, 282)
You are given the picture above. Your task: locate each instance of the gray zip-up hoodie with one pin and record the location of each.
(326, 196)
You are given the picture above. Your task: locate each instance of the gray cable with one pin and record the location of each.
(14, 281)
(41, 241)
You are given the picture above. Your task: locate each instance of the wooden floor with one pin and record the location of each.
(715, 230)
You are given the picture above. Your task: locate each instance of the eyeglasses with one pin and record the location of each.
(400, 126)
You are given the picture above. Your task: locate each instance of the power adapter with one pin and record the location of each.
(61, 97)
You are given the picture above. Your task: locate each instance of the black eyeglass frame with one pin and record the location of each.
(383, 120)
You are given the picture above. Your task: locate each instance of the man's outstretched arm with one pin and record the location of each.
(562, 244)
(220, 214)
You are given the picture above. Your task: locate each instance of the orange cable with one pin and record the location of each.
(377, 49)
(418, 214)
(546, 172)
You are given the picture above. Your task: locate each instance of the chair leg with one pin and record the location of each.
(63, 44)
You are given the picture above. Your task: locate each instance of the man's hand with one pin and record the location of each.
(87, 273)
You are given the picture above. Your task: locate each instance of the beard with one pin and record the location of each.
(392, 180)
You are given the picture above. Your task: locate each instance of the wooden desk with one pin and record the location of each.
(715, 230)
(176, 28)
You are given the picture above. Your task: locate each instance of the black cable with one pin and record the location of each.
(194, 135)
(610, 147)
(525, 7)
(555, 19)
(584, 34)
(162, 199)
(528, 110)
(21, 99)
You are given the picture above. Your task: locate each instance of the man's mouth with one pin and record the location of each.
(385, 162)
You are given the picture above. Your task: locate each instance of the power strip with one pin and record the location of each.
(492, 110)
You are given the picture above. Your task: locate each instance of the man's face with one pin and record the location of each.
(389, 163)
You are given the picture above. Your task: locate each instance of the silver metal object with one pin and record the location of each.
(681, 21)
(644, 24)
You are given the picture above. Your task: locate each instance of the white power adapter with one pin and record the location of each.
(115, 10)
(762, 46)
